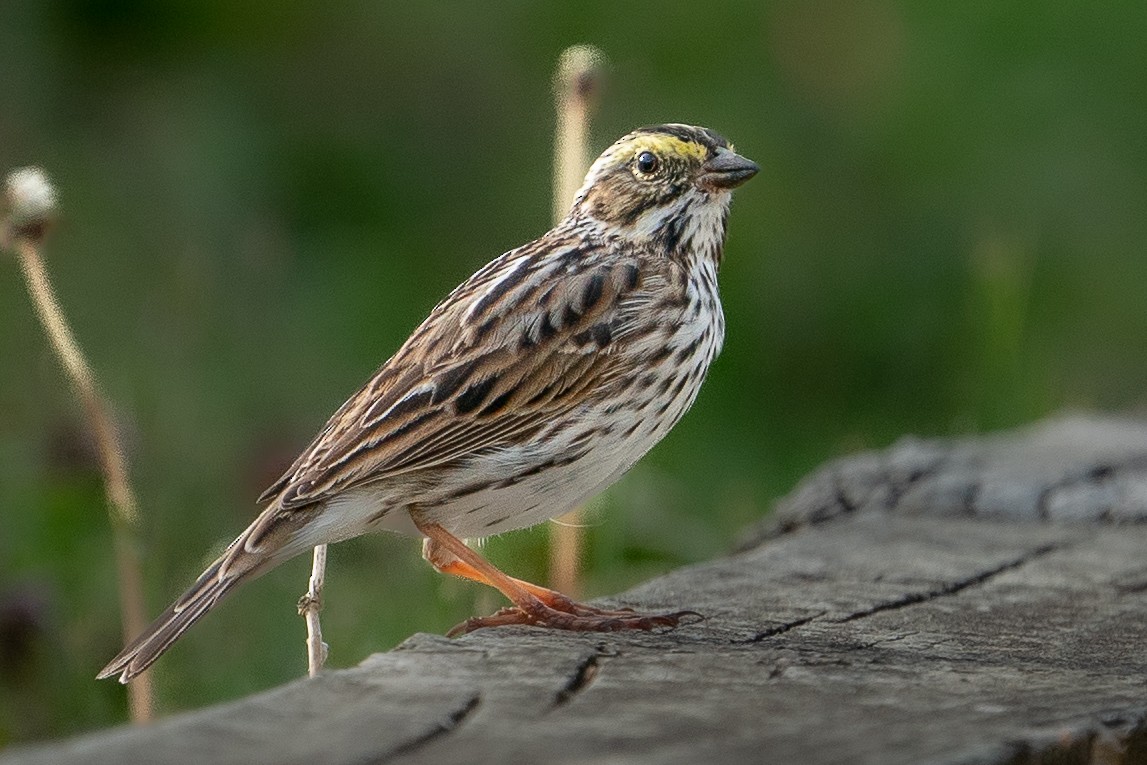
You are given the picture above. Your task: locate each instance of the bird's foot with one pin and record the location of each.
(565, 614)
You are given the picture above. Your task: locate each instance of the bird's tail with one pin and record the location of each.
(262, 546)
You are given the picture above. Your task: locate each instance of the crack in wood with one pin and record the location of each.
(951, 588)
(780, 629)
(1130, 586)
(582, 677)
(442, 728)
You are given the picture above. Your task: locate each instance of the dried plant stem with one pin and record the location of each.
(309, 607)
(122, 506)
(577, 84)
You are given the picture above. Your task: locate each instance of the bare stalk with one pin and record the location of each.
(309, 607)
(577, 83)
(23, 233)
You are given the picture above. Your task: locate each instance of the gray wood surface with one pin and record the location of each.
(1072, 469)
(927, 604)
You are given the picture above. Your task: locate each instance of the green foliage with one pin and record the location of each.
(262, 199)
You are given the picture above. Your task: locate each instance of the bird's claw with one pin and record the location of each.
(579, 618)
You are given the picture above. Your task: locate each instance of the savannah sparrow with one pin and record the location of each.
(535, 384)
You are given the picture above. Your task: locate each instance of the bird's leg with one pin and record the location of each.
(445, 562)
(532, 604)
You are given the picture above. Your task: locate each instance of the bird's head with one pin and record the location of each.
(665, 183)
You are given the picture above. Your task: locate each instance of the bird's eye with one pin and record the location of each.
(647, 163)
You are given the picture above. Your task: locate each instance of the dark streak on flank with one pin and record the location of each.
(625, 382)
(686, 352)
(541, 467)
(376, 517)
(584, 437)
(466, 491)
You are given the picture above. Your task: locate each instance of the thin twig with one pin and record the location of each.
(577, 84)
(23, 234)
(309, 607)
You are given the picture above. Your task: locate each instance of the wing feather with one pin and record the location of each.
(522, 342)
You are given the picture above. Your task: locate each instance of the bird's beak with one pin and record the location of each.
(726, 170)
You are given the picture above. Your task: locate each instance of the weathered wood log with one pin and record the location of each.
(1070, 469)
(927, 604)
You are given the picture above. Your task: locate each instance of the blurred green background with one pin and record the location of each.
(263, 198)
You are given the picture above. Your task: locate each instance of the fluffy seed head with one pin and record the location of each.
(30, 202)
(579, 72)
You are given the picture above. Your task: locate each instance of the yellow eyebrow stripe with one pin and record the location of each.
(670, 146)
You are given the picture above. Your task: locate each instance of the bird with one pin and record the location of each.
(532, 386)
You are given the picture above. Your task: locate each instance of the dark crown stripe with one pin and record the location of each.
(703, 136)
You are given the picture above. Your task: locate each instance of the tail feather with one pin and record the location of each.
(200, 598)
(265, 544)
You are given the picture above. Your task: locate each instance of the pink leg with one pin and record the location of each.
(533, 605)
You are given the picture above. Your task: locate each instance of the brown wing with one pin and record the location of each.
(519, 343)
